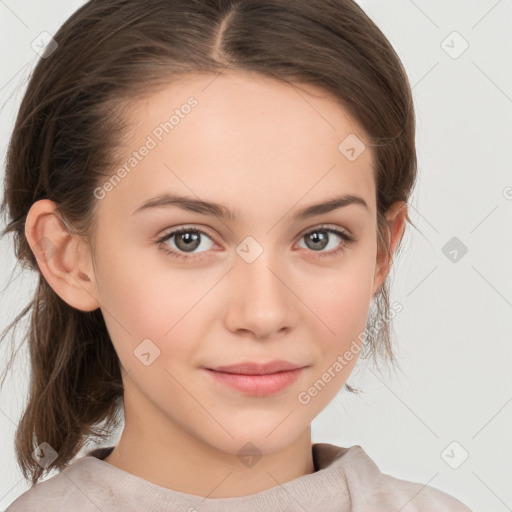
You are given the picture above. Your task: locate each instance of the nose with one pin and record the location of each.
(261, 299)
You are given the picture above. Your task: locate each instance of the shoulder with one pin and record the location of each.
(414, 497)
(370, 489)
(74, 488)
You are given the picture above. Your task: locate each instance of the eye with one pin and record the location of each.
(321, 237)
(186, 240)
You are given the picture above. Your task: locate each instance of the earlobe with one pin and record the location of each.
(395, 217)
(59, 256)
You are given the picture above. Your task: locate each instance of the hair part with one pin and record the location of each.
(71, 122)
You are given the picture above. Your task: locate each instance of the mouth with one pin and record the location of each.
(255, 368)
(263, 384)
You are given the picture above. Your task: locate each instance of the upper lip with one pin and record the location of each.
(254, 368)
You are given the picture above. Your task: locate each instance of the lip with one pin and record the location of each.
(254, 384)
(255, 368)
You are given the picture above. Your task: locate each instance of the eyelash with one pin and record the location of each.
(160, 242)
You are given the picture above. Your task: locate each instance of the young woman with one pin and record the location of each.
(212, 192)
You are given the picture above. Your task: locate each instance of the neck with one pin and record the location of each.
(160, 451)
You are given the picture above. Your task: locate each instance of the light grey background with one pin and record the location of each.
(454, 334)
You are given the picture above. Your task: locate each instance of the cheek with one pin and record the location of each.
(341, 298)
(163, 303)
(338, 314)
(338, 306)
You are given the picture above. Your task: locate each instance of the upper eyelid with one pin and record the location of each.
(326, 226)
(184, 228)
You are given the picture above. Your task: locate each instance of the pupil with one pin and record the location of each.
(188, 239)
(318, 239)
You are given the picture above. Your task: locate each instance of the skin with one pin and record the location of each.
(265, 149)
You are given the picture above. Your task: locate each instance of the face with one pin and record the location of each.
(260, 284)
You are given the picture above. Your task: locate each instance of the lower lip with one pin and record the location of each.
(257, 385)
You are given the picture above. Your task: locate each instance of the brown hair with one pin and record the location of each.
(71, 121)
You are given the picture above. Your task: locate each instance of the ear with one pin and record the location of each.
(395, 216)
(63, 258)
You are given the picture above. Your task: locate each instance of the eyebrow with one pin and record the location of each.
(218, 210)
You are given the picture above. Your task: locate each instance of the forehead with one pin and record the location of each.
(242, 139)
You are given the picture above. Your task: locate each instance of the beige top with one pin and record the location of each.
(346, 480)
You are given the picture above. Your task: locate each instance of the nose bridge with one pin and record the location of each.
(257, 266)
(260, 301)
